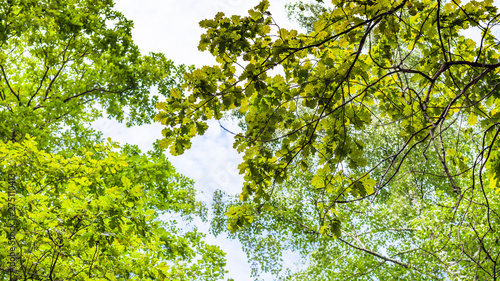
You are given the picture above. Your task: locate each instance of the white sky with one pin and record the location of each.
(171, 27)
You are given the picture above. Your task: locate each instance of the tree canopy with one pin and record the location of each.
(73, 206)
(370, 141)
(60, 59)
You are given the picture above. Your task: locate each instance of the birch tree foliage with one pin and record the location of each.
(306, 101)
(410, 231)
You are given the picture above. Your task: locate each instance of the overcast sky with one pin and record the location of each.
(171, 27)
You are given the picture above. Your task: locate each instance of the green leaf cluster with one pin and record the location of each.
(100, 215)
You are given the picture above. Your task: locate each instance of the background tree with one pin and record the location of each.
(83, 209)
(391, 113)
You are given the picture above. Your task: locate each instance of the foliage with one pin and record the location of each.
(59, 59)
(96, 215)
(317, 109)
(72, 207)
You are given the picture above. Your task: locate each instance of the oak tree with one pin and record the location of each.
(372, 137)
